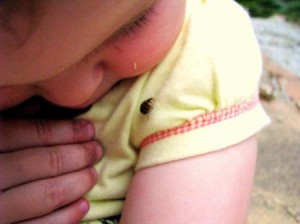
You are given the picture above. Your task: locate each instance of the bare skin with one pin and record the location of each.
(39, 59)
(58, 51)
(49, 161)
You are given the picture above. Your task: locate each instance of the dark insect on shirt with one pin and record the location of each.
(147, 106)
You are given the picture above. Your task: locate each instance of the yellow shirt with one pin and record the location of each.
(201, 98)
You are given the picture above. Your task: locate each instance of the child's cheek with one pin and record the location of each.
(140, 55)
(135, 55)
(141, 50)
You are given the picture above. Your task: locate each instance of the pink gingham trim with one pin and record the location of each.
(201, 120)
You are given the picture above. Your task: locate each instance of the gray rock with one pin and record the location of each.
(280, 41)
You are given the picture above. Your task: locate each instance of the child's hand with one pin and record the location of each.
(45, 170)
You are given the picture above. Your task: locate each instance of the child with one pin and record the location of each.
(174, 91)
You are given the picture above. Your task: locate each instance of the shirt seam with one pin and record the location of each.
(201, 120)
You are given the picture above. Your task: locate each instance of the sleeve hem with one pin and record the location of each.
(205, 138)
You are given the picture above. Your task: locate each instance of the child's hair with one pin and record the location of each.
(22, 9)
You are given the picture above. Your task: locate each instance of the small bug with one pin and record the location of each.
(146, 106)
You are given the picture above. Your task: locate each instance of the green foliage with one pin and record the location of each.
(261, 8)
(291, 9)
(266, 8)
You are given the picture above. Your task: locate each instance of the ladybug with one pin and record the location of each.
(147, 106)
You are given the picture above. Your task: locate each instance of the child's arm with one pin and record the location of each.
(211, 188)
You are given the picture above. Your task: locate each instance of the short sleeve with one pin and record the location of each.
(205, 92)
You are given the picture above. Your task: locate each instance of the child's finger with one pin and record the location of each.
(40, 198)
(20, 134)
(70, 214)
(33, 164)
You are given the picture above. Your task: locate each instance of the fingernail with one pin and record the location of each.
(94, 173)
(90, 129)
(84, 206)
(84, 124)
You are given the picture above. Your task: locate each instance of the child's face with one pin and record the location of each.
(72, 52)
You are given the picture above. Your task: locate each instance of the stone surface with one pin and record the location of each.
(276, 193)
(280, 40)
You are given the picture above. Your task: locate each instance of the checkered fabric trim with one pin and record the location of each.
(201, 121)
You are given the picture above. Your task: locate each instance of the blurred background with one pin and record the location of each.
(276, 193)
